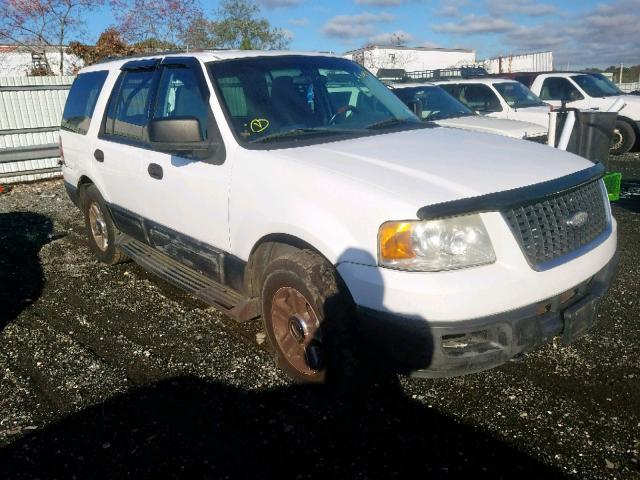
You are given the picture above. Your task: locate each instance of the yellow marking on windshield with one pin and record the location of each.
(259, 125)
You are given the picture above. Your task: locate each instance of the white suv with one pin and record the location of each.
(253, 180)
(433, 104)
(500, 98)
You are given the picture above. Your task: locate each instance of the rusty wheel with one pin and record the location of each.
(305, 316)
(296, 328)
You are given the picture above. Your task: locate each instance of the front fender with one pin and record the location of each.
(336, 215)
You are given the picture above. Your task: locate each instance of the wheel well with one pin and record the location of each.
(83, 184)
(633, 124)
(266, 250)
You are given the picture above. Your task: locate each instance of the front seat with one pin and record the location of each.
(289, 108)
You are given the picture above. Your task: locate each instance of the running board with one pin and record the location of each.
(165, 267)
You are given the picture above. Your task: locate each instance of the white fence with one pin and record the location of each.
(30, 113)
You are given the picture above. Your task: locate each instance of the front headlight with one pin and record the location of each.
(435, 245)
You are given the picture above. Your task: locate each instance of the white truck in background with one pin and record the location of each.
(592, 91)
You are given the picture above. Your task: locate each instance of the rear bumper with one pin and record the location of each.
(439, 349)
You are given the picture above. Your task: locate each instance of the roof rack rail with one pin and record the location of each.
(162, 52)
(432, 75)
(139, 55)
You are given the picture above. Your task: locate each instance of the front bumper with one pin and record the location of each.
(439, 349)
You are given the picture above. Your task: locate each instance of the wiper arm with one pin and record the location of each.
(298, 131)
(389, 122)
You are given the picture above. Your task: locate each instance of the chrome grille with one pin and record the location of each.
(544, 229)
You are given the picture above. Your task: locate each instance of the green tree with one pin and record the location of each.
(239, 25)
(199, 35)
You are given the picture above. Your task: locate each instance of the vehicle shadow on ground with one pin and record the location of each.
(22, 235)
(190, 428)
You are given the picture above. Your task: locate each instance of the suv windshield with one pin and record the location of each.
(288, 97)
(596, 85)
(517, 95)
(432, 103)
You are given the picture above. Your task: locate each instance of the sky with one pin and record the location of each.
(581, 33)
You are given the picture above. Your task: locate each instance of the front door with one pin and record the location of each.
(556, 90)
(187, 197)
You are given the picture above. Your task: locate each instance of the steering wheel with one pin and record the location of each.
(342, 111)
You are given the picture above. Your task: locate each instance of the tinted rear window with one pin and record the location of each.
(82, 101)
(129, 105)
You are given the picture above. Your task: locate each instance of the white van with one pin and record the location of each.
(252, 180)
(433, 104)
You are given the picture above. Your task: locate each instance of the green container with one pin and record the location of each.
(612, 181)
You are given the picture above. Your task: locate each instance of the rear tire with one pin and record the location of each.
(624, 138)
(101, 231)
(308, 318)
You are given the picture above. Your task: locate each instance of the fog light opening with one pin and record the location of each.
(468, 343)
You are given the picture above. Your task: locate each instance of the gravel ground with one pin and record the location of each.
(108, 372)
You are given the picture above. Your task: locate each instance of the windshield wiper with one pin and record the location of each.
(389, 122)
(298, 132)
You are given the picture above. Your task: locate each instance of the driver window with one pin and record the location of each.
(480, 98)
(179, 95)
(561, 89)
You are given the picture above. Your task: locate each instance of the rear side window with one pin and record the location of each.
(129, 105)
(81, 101)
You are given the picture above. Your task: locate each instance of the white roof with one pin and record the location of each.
(562, 74)
(415, 49)
(398, 86)
(204, 56)
(486, 81)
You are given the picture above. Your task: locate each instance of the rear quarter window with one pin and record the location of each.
(81, 101)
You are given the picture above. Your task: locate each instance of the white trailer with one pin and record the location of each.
(410, 59)
(527, 62)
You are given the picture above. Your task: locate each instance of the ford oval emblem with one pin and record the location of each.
(578, 219)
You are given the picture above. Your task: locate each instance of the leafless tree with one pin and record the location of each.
(39, 25)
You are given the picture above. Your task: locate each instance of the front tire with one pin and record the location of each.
(307, 317)
(101, 231)
(624, 138)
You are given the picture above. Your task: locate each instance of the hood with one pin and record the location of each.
(632, 107)
(537, 115)
(497, 126)
(433, 165)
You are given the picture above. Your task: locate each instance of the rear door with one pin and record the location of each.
(123, 145)
(187, 216)
(76, 120)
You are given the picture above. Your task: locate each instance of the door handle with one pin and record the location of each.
(98, 155)
(155, 171)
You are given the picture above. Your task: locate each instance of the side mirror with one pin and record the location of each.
(179, 135)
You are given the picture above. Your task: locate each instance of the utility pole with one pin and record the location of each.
(621, 69)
